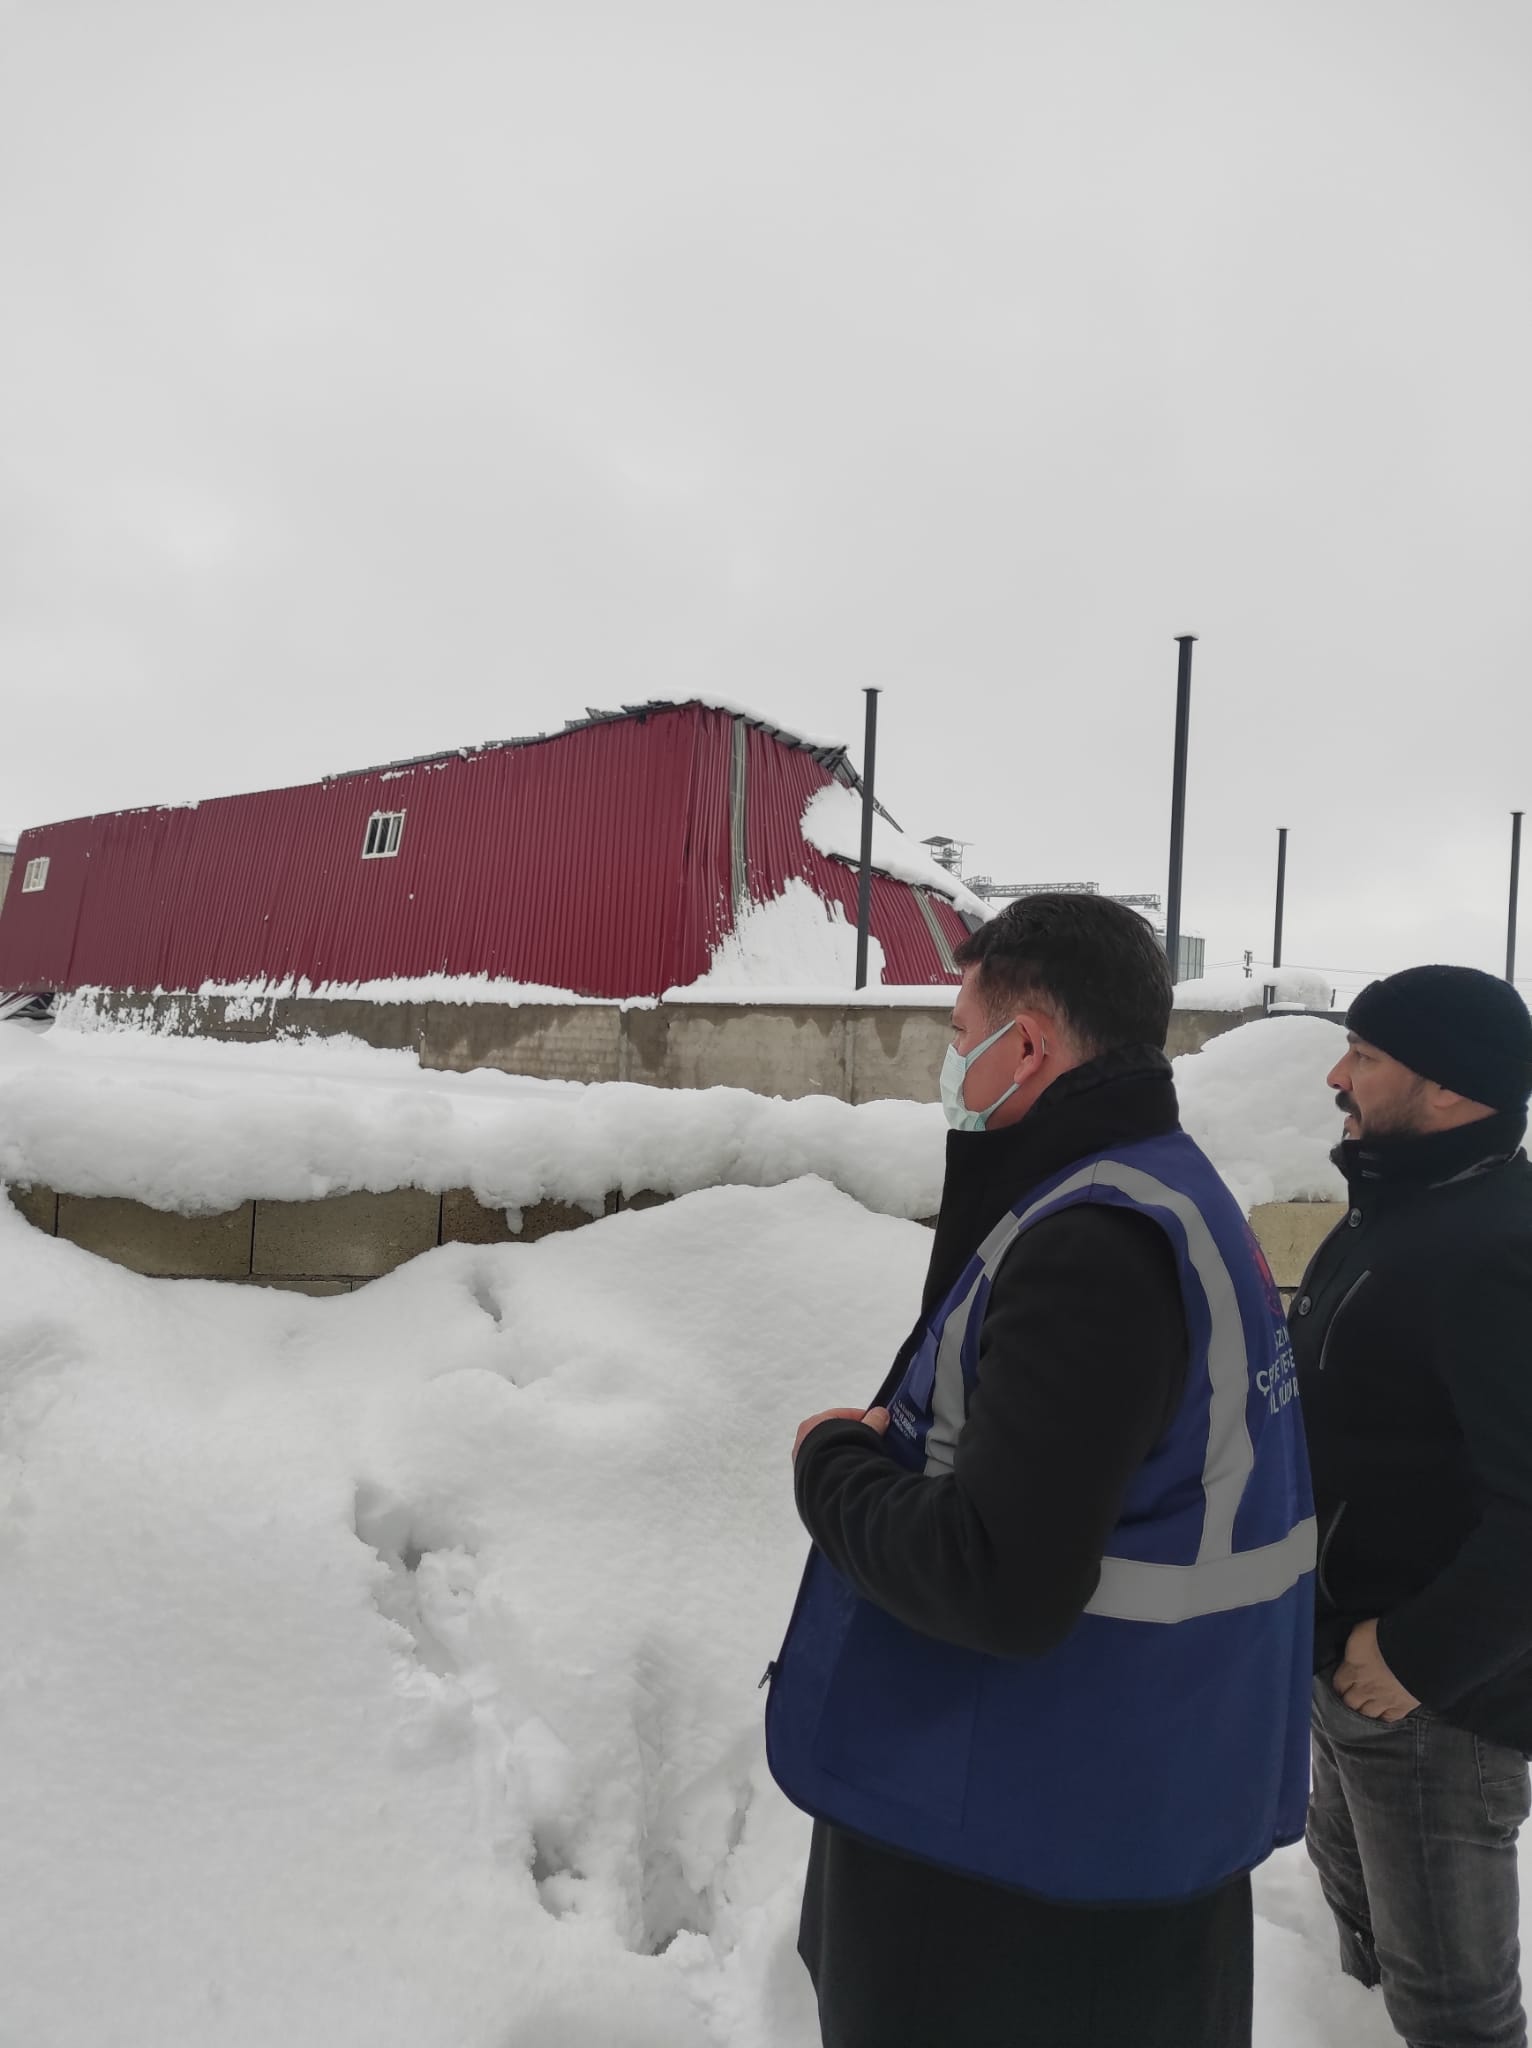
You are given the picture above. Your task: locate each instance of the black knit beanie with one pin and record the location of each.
(1460, 1028)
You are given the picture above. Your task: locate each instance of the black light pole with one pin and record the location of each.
(1276, 943)
(1510, 930)
(1178, 804)
(864, 890)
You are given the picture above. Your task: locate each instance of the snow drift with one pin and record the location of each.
(200, 1126)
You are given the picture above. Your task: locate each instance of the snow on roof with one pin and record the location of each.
(831, 753)
(832, 822)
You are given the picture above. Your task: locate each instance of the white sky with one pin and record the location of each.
(378, 378)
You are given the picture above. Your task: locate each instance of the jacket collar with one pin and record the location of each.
(1126, 1094)
(1435, 1160)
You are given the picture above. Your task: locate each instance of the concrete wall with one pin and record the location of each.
(1290, 1233)
(324, 1247)
(855, 1052)
(332, 1246)
(1190, 1030)
(7, 862)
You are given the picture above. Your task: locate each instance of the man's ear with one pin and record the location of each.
(1032, 1037)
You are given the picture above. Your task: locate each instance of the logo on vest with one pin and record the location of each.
(1279, 1381)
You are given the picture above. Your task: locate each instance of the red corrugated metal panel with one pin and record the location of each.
(37, 927)
(781, 784)
(704, 908)
(947, 917)
(598, 860)
(587, 862)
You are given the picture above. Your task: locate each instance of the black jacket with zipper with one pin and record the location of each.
(1413, 1336)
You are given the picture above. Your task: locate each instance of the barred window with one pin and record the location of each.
(36, 875)
(384, 831)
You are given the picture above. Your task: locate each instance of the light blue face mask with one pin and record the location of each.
(954, 1067)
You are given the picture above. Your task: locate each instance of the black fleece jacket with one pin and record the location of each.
(1413, 1337)
(1082, 1361)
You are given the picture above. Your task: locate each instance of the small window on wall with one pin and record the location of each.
(384, 831)
(36, 876)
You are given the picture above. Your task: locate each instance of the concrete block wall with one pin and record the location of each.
(1190, 1030)
(855, 1052)
(334, 1245)
(551, 1041)
(323, 1247)
(1290, 1233)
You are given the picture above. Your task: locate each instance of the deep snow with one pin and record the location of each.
(381, 1672)
(195, 1125)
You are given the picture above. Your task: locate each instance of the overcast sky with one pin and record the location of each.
(379, 378)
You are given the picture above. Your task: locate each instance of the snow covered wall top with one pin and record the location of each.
(196, 1125)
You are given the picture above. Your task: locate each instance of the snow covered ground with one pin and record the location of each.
(382, 1670)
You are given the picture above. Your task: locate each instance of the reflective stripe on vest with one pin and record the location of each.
(1131, 1589)
(1126, 1763)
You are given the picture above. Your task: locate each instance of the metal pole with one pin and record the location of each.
(1276, 943)
(1178, 803)
(864, 890)
(1510, 930)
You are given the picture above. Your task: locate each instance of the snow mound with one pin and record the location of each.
(832, 822)
(1232, 989)
(796, 937)
(1256, 1102)
(199, 1125)
(383, 1670)
(390, 1675)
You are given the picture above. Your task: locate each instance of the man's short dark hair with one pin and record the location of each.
(1096, 964)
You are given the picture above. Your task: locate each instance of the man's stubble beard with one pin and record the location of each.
(1402, 1119)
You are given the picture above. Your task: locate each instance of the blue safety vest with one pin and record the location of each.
(1162, 1747)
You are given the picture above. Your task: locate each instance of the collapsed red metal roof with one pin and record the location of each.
(608, 859)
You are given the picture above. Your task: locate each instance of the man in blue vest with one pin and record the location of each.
(1045, 1687)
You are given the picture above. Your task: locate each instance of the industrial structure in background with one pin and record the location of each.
(610, 859)
(948, 854)
(7, 860)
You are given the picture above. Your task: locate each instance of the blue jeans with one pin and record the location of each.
(1412, 1828)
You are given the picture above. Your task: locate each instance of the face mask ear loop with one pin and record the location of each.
(954, 1070)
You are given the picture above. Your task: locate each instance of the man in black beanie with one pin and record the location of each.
(1413, 1335)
